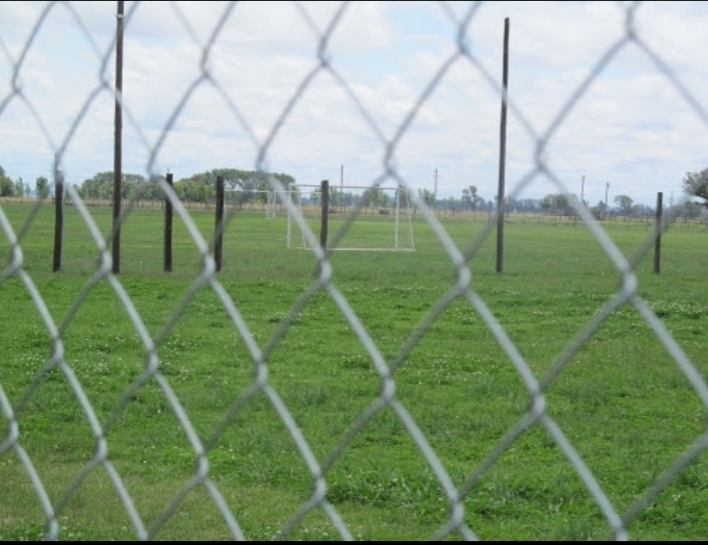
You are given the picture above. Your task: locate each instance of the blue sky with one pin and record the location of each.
(632, 128)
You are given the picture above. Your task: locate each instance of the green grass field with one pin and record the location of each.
(622, 401)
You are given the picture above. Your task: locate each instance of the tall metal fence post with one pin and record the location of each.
(219, 223)
(657, 237)
(502, 152)
(168, 229)
(325, 214)
(58, 219)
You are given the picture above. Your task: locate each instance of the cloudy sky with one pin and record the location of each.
(632, 127)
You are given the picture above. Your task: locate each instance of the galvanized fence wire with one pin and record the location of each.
(326, 280)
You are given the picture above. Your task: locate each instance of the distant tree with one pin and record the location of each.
(555, 203)
(470, 198)
(334, 197)
(625, 204)
(452, 204)
(691, 210)
(375, 197)
(295, 193)
(511, 204)
(348, 198)
(427, 197)
(646, 210)
(528, 205)
(284, 179)
(20, 187)
(696, 184)
(42, 186)
(466, 198)
(100, 186)
(7, 186)
(245, 185)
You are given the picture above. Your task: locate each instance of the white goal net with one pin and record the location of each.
(359, 218)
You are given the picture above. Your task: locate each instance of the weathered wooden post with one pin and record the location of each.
(657, 236)
(168, 229)
(325, 214)
(58, 218)
(219, 224)
(502, 151)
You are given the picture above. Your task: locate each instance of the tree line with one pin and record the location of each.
(246, 185)
(693, 184)
(242, 186)
(250, 186)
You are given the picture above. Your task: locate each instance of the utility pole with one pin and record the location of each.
(582, 190)
(607, 190)
(435, 190)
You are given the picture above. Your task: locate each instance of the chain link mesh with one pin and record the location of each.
(536, 415)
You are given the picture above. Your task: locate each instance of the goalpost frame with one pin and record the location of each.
(364, 189)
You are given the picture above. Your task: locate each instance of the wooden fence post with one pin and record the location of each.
(168, 229)
(58, 219)
(325, 214)
(657, 237)
(502, 151)
(219, 224)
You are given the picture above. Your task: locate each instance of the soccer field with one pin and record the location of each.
(619, 398)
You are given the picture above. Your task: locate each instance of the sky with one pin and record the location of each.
(632, 127)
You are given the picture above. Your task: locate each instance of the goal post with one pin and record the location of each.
(360, 218)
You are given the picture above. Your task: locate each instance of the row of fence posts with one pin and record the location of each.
(167, 255)
(219, 224)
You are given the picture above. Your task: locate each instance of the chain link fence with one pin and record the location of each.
(455, 491)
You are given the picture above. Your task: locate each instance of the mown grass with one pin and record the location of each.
(621, 400)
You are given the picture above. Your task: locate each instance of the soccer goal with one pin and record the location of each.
(377, 219)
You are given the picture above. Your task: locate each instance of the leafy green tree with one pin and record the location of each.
(244, 185)
(696, 184)
(294, 193)
(555, 203)
(452, 204)
(334, 197)
(691, 210)
(624, 203)
(20, 187)
(42, 186)
(470, 198)
(7, 186)
(100, 186)
(528, 205)
(374, 197)
(427, 196)
(475, 197)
